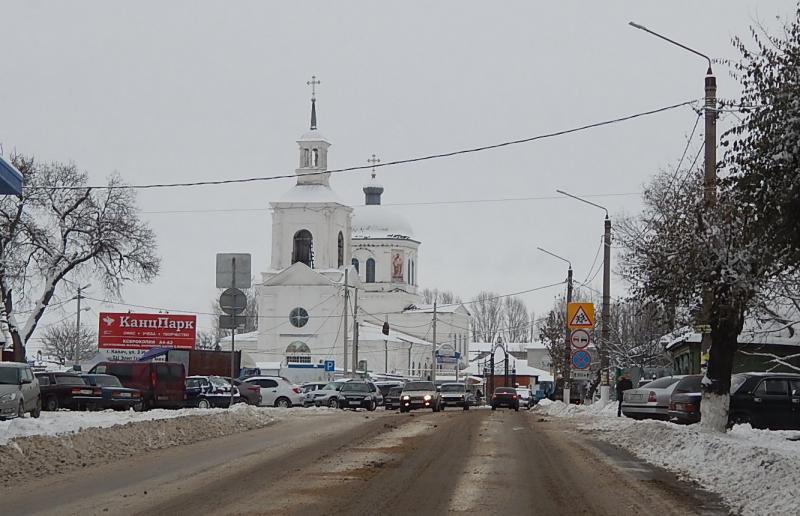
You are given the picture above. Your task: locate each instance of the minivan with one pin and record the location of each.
(163, 384)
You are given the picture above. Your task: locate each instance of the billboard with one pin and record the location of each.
(129, 331)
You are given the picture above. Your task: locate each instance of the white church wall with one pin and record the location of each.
(323, 221)
(381, 250)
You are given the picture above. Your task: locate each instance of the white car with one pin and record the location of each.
(277, 391)
(328, 395)
(308, 392)
(525, 397)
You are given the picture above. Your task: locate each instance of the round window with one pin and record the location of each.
(298, 317)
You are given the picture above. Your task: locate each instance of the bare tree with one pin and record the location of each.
(442, 297)
(60, 226)
(516, 320)
(487, 316)
(552, 334)
(207, 340)
(635, 335)
(63, 340)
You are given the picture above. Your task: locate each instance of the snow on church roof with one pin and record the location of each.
(376, 221)
(310, 193)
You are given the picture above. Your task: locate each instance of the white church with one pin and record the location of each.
(318, 244)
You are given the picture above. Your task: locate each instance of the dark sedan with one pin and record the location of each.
(766, 400)
(209, 391)
(66, 390)
(114, 395)
(505, 397)
(392, 399)
(684, 405)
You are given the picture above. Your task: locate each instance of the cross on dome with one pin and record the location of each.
(313, 83)
(373, 161)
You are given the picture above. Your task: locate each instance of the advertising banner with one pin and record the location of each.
(129, 331)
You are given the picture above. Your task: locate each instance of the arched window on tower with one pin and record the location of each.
(314, 158)
(341, 250)
(306, 158)
(370, 270)
(354, 261)
(303, 248)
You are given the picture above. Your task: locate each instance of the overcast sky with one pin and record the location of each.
(192, 91)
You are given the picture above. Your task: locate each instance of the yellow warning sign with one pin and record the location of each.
(580, 315)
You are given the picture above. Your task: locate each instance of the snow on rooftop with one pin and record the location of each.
(310, 193)
(378, 222)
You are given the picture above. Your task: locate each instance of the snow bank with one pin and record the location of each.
(755, 471)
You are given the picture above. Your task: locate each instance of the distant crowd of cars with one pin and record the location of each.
(764, 400)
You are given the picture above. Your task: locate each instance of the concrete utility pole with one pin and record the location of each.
(355, 332)
(605, 327)
(566, 369)
(433, 350)
(77, 347)
(710, 160)
(344, 322)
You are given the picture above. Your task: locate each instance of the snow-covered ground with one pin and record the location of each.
(66, 422)
(755, 471)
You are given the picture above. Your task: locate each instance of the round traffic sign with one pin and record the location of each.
(233, 301)
(581, 359)
(580, 339)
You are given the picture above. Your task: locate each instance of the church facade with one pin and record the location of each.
(322, 248)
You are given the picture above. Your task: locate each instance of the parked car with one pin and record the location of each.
(650, 401)
(19, 391)
(418, 395)
(376, 392)
(684, 404)
(328, 395)
(456, 395)
(114, 395)
(357, 394)
(392, 399)
(162, 384)
(210, 391)
(308, 390)
(505, 397)
(525, 397)
(766, 400)
(277, 391)
(385, 386)
(251, 394)
(67, 390)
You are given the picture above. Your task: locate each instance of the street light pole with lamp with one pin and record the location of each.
(605, 317)
(710, 158)
(566, 369)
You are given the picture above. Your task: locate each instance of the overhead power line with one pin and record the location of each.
(386, 164)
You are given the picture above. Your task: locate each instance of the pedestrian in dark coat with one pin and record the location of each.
(624, 383)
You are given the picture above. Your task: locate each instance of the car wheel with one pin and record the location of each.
(51, 403)
(37, 410)
(494, 408)
(21, 409)
(283, 403)
(137, 407)
(372, 406)
(516, 409)
(203, 403)
(333, 403)
(466, 407)
(403, 409)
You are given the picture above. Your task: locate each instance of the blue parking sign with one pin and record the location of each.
(330, 366)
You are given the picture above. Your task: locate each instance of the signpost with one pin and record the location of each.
(580, 339)
(233, 273)
(580, 315)
(581, 359)
(330, 366)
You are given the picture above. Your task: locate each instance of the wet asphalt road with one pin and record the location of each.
(455, 462)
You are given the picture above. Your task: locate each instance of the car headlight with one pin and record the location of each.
(11, 396)
(427, 397)
(406, 398)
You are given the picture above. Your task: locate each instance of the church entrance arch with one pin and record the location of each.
(303, 248)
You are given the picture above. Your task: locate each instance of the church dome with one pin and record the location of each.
(376, 221)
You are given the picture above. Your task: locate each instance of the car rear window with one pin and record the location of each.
(356, 387)
(106, 381)
(689, 384)
(43, 380)
(737, 381)
(505, 390)
(662, 383)
(70, 380)
(453, 388)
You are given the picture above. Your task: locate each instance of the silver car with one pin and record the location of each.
(651, 401)
(328, 395)
(19, 391)
(308, 392)
(277, 391)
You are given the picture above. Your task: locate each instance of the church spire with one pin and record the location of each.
(313, 83)
(373, 191)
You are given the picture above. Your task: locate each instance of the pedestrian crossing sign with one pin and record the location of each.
(580, 315)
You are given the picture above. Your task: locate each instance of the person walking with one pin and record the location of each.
(624, 383)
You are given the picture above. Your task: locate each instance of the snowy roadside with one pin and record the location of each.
(63, 441)
(753, 470)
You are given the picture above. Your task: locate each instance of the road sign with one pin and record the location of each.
(226, 262)
(233, 301)
(580, 315)
(581, 375)
(580, 339)
(581, 359)
(229, 322)
(330, 366)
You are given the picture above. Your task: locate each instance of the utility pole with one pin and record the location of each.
(410, 345)
(433, 362)
(567, 345)
(355, 332)
(386, 351)
(76, 348)
(344, 322)
(605, 330)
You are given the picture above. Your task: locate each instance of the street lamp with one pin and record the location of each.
(76, 360)
(567, 346)
(605, 389)
(710, 158)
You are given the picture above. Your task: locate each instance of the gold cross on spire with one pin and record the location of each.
(373, 161)
(313, 83)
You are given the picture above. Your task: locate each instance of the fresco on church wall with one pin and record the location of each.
(397, 265)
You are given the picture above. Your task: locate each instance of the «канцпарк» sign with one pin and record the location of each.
(145, 331)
